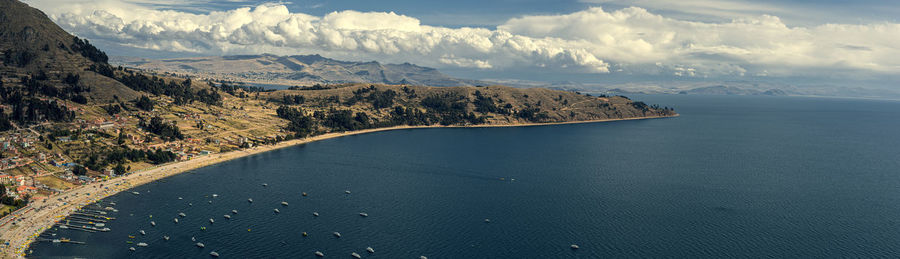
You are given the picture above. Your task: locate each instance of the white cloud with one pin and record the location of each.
(633, 40)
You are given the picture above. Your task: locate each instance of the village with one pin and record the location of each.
(36, 166)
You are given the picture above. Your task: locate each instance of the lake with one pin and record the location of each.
(733, 176)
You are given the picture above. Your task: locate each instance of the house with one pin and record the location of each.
(106, 125)
(24, 189)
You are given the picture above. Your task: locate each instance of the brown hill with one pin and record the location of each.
(32, 45)
(299, 70)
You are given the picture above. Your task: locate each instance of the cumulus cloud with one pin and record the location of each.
(589, 41)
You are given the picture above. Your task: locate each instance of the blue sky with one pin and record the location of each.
(581, 40)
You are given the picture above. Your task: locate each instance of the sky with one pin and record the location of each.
(577, 40)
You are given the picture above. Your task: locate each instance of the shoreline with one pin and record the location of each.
(41, 215)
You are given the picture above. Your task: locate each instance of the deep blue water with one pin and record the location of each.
(732, 177)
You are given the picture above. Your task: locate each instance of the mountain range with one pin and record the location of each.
(270, 69)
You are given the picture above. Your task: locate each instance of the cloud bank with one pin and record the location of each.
(630, 40)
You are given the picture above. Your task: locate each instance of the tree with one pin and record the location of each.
(2, 190)
(144, 103)
(121, 139)
(119, 169)
(79, 170)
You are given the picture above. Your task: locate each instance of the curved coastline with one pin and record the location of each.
(41, 215)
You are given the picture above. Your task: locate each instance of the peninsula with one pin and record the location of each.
(75, 129)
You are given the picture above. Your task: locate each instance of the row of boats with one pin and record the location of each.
(226, 216)
(353, 254)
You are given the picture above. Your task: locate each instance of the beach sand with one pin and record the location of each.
(38, 216)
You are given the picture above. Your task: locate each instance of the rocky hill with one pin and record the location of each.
(298, 70)
(33, 46)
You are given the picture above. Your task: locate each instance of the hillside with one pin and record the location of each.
(392, 105)
(298, 70)
(32, 45)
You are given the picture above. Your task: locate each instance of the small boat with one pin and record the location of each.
(130, 236)
(423, 257)
(212, 221)
(370, 250)
(131, 248)
(364, 214)
(304, 193)
(182, 214)
(227, 216)
(190, 204)
(56, 241)
(193, 239)
(233, 211)
(250, 200)
(305, 234)
(264, 185)
(63, 227)
(152, 223)
(315, 214)
(214, 254)
(166, 238)
(355, 255)
(347, 191)
(284, 203)
(210, 202)
(129, 242)
(487, 220)
(215, 195)
(200, 245)
(277, 211)
(100, 225)
(142, 232)
(180, 198)
(112, 203)
(176, 220)
(136, 193)
(337, 234)
(319, 254)
(574, 246)
(142, 244)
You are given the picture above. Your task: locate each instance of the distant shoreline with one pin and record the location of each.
(41, 215)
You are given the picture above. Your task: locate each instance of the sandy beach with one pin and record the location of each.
(33, 219)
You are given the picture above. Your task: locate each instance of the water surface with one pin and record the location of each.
(732, 177)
